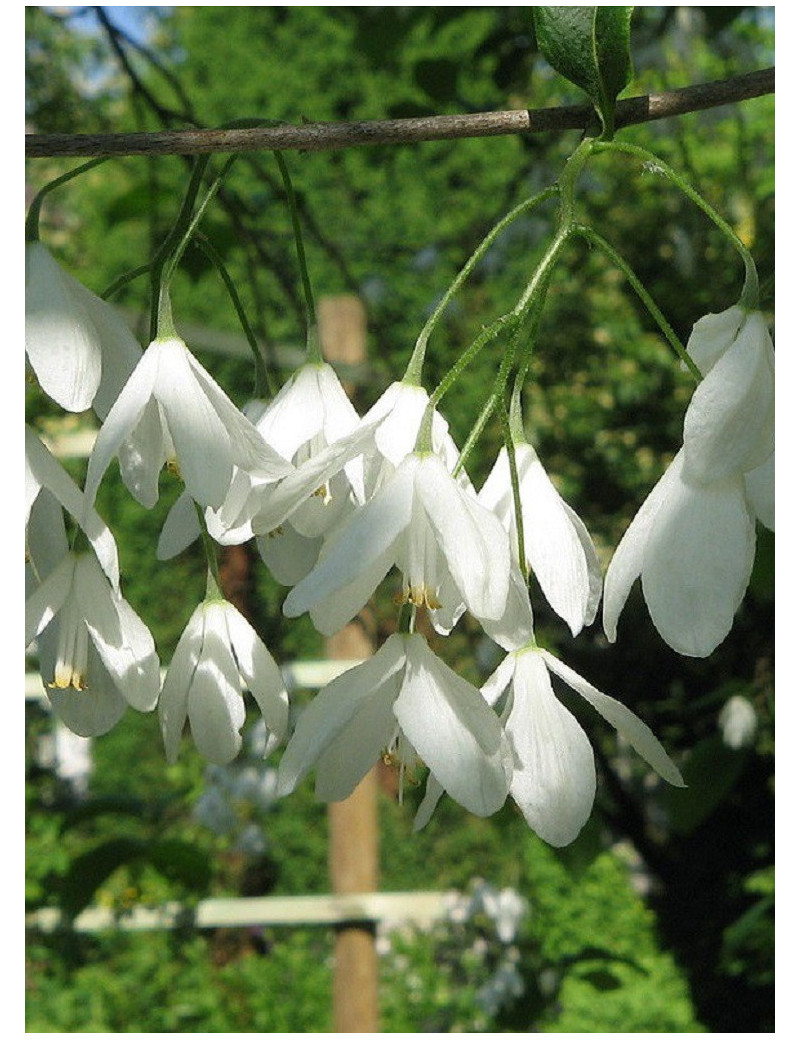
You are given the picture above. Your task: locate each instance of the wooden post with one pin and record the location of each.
(353, 823)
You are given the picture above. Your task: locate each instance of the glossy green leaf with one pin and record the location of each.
(589, 46)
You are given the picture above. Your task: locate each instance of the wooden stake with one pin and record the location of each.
(353, 823)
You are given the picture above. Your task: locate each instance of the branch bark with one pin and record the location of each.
(329, 136)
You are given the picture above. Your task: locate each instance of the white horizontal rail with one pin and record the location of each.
(298, 675)
(393, 908)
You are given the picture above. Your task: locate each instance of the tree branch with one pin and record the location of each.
(329, 136)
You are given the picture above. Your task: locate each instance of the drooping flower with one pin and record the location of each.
(77, 344)
(406, 703)
(693, 540)
(693, 546)
(448, 547)
(730, 422)
(553, 780)
(558, 547)
(217, 655)
(172, 410)
(96, 656)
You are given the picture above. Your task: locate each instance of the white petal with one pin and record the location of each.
(181, 528)
(248, 448)
(260, 672)
(401, 406)
(433, 792)
(46, 536)
(49, 473)
(202, 441)
(730, 418)
(553, 544)
(365, 541)
(121, 638)
(628, 725)
(95, 710)
(515, 628)
(472, 540)
(712, 335)
(60, 339)
(173, 702)
(335, 708)
(144, 452)
(554, 776)
(46, 601)
(759, 486)
(295, 414)
(697, 564)
(499, 681)
(216, 707)
(453, 730)
(288, 555)
(628, 559)
(120, 350)
(121, 420)
(282, 499)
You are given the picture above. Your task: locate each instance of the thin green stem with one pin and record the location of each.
(34, 211)
(264, 386)
(750, 293)
(474, 434)
(313, 348)
(508, 440)
(209, 545)
(596, 239)
(124, 279)
(413, 372)
(187, 232)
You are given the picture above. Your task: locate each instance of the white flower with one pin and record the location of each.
(558, 547)
(96, 655)
(449, 549)
(730, 422)
(171, 409)
(693, 546)
(553, 781)
(693, 540)
(78, 345)
(738, 722)
(217, 654)
(408, 703)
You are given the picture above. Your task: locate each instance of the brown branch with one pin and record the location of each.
(329, 136)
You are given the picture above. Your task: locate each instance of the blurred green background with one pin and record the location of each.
(660, 918)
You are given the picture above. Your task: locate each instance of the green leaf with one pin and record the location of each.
(589, 46)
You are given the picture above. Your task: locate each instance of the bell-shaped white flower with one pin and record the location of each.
(553, 780)
(217, 655)
(449, 549)
(172, 410)
(693, 546)
(730, 422)
(558, 547)
(77, 344)
(407, 704)
(310, 412)
(96, 656)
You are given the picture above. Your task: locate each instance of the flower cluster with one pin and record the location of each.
(336, 503)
